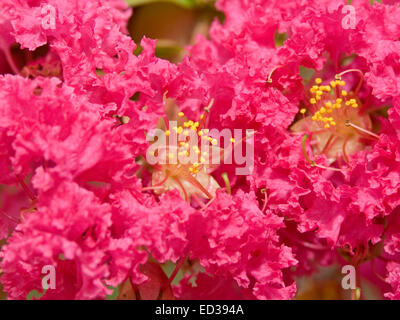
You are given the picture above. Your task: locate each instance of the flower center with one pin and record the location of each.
(188, 151)
(335, 120)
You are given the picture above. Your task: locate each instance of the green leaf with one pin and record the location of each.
(306, 73)
(183, 3)
(36, 294)
(115, 293)
(280, 38)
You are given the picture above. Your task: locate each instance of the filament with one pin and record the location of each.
(183, 189)
(375, 272)
(345, 157)
(25, 188)
(204, 116)
(9, 58)
(305, 244)
(312, 162)
(154, 188)
(175, 272)
(269, 78)
(264, 191)
(349, 124)
(339, 75)
(9, 217)
(227, 182)
(303, 147)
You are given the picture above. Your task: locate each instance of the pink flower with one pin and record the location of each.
(81, 196)
(335, 182)
(69, 231)
(238, 241)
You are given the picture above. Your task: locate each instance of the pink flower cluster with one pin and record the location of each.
(76, 192)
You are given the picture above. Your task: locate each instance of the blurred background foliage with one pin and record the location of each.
(174, 23)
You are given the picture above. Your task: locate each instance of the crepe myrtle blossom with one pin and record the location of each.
(80, 192)
(343, 125)
(76, 107)
(324, 105)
